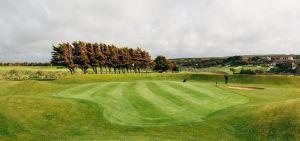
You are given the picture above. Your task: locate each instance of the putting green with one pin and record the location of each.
(154, 103)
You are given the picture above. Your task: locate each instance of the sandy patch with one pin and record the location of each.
(245, 88)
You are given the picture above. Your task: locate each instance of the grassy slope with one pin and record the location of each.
(113, 107)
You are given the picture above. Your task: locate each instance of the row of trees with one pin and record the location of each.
(98, 55)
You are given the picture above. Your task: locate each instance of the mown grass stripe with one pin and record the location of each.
(117, 108)
(91, 92)
(184, 95)
(183, 112)
(222, 99)
(161, 103)
(142, 105)
(204, 89)
(157, 90)
(77, 89)
(109, 86)
(198, 106)
(182, 87)
(203, 106)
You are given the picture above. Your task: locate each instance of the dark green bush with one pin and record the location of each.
(247, 71)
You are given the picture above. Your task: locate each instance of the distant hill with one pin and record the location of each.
(268, 60)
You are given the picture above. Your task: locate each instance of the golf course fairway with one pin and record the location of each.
(154, 103)
(151, 107)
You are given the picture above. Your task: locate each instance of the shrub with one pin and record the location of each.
(233, 70)
(30, 74)
(13, 72)
(40, 73)
(247, 71)
(260, 71)
(176, 69)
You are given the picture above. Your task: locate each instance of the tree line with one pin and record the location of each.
(100, 57)
(25, 64)
(222, 61)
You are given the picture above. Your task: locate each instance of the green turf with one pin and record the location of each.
(152, 103)
(151, 107)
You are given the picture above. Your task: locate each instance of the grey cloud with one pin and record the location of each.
(174, 28)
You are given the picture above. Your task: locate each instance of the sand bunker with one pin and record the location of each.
(245, 88)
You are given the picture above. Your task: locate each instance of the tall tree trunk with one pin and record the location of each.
(83, 70)
(71, 71)
(101, 70)
(95, 70)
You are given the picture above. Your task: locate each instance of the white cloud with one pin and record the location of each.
(174, 28)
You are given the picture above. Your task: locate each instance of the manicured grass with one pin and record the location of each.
(151, 107)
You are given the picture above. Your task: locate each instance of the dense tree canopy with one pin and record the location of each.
(94, 55)
(63, 55)
(162, 64)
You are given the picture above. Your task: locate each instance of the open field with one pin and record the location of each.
(151, 107)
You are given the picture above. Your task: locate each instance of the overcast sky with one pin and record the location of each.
(174, 28)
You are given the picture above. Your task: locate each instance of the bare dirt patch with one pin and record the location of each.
(245, 88)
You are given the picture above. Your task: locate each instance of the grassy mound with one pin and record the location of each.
(275, 121)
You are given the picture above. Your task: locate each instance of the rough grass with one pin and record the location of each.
(150, 107)
(32, 72)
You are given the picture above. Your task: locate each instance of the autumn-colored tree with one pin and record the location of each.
(92, 56)
(85, 55)
(125, 59)
(121, 55)
(80, 56)
(146, 60)
(170, 65)
(131, 54)
(137, 60)
(162, 64)
(63, 55)
(106, 51)
(100, 56)
(115, 62)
